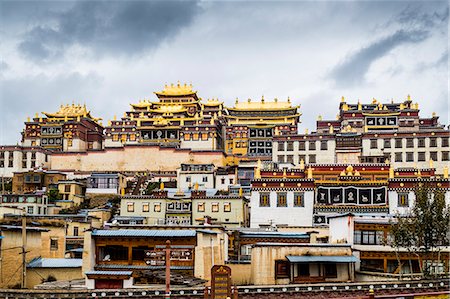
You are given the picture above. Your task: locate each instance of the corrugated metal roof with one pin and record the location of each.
(55, 263)
(322, 258)
(144, 233)
(128, 273)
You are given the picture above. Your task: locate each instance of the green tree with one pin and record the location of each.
(424, 231)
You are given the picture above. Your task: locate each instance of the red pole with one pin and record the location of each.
(167, 296)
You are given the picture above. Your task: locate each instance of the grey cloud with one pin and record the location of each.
(353, 69)
(22, 97)
(111, 28)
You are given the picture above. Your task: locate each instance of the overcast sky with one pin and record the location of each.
(110, 54)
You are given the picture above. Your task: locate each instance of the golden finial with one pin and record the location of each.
(319, 118)
(109, 123)
(240, 191)
(408, 98)
(419, 173)
(302, 164)
(36, 115)
(115, 117)
(433, 114)
(66, 118)
(359, 105)
(310, 173)
(331, 130)
(262, 99)
(277, 132)
(345, 107)
(338, 116)
(196, 186)
(178, 83)
(445, 172)
(249, 100)
(28, 119)
(161, 186)
(289, 99)
(284, 172)
(78, 118)
(306, 132)
(342, 99)
(391, 172)
(275, 100)
(374, 101)
(431, 163)
(237, 100)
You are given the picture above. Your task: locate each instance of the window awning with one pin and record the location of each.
(322, 259)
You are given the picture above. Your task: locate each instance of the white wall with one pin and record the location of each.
(290, 215)
(341, 229)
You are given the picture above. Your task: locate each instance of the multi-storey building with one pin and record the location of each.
(71, 129)
(33, 204)
(36, 180)
(16, 158)
(187, 208)
(250, 127)
(178, 119)
(370, 133)
(310, 195)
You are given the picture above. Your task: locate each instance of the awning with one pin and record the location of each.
(322, 259)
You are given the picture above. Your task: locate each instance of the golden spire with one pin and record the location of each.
(445, 172)
(284, 172)
(115, 117)
(262, 99)
(319, 118)
(196, 186)
(240, 191)
(161, 186)
(331, 131)
(310, 172)
(342, 99)
(359, 105)
(306, 131)
(302, 164)
(408, 98)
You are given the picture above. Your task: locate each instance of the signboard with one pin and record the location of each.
(158, 257)
(220, 282)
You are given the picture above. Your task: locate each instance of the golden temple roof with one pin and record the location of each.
(176, 90)
(71, 111)
(262, 105)
(213, 102)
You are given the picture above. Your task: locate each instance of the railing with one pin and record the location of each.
(381, 290)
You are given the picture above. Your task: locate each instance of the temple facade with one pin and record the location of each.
(177, 119)
(70, 129)
(251, 126)
(370, 133)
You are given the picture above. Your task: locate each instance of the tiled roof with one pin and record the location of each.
(127, 273)
(55, 263)
(141, 267)
(322, 258)
(143, 233)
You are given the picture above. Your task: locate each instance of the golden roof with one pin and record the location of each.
(262, 105)
(169, 109)
(71, 111)
(213, 102)
(176, 90)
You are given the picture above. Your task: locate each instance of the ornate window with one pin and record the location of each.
(264, 200)
(299, 199)
(227, 207)
(281, 199)
(403, 200)
(281, 269)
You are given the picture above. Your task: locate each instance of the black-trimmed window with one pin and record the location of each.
(387, 143)
(264, 200)
(324, 145)
(373, 143)
(282, 269)
(280, 146)
(433, 156)
(368, 237)
(409, 142)
(281, 199)
(421, 142)
(398, 157)
(409, 157)
(403, 200)
(445, 156)
(421, 156)
(312, 158)
(398, 143)
(444, 142)
(312, 145)
(301, 145)
(299, 199)
(433, 142)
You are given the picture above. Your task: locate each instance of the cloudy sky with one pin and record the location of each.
(109, 54)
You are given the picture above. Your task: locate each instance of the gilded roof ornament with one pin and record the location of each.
(177, 90)
(342, 99)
